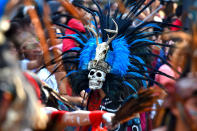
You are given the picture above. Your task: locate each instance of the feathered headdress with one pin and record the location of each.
(117, 48)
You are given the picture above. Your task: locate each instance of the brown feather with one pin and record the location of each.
(144, 102)
(160, 114)
(60, 98)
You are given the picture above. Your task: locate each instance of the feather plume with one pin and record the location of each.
(118, 59)
(59, 97)
(142, 102)
(2, 7)
(129, 55)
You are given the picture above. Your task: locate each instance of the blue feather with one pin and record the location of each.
(128, 84)
(76, 48)
(153, 25)
(138, 20)
(118, 59)
(40, 5)
(76, 36)
(138, 75)
(132, 4)
(70, 72)
(140, 40)
(146, 33)
(2, 6)
(140, 60)
(88, 53)
(132, 66)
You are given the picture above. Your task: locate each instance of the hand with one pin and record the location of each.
(107, 118)
(76, 100)
(83, 94)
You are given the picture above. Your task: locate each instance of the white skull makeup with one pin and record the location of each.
(96, 79)
(98, 67)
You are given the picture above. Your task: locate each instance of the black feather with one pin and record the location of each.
(84, 39)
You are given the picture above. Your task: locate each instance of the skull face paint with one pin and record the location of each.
(96, 79)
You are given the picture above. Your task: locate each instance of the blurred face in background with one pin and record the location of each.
(61, 10)
(191, 107)
(31, 49)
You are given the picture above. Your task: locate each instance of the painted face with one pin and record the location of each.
(96, 79)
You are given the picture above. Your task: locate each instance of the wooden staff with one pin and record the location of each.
(72, 10)
(121, 6)
(38, 28)
(49, 26)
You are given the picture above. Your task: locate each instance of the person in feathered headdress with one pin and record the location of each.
(113, 62)
(20, 108)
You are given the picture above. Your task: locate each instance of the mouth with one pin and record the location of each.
(91, 83)
(95, 84)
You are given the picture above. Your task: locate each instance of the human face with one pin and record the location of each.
(191, 107)
(32, 49)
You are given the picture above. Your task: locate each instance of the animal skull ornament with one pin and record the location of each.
(96, 79)
(102, 48)
(101, 51)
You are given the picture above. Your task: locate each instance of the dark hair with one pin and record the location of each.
(168, 9)
(13, 31)
(54, 5)
(21, 18)
(179, 10)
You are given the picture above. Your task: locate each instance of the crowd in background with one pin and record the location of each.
(26, 47)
